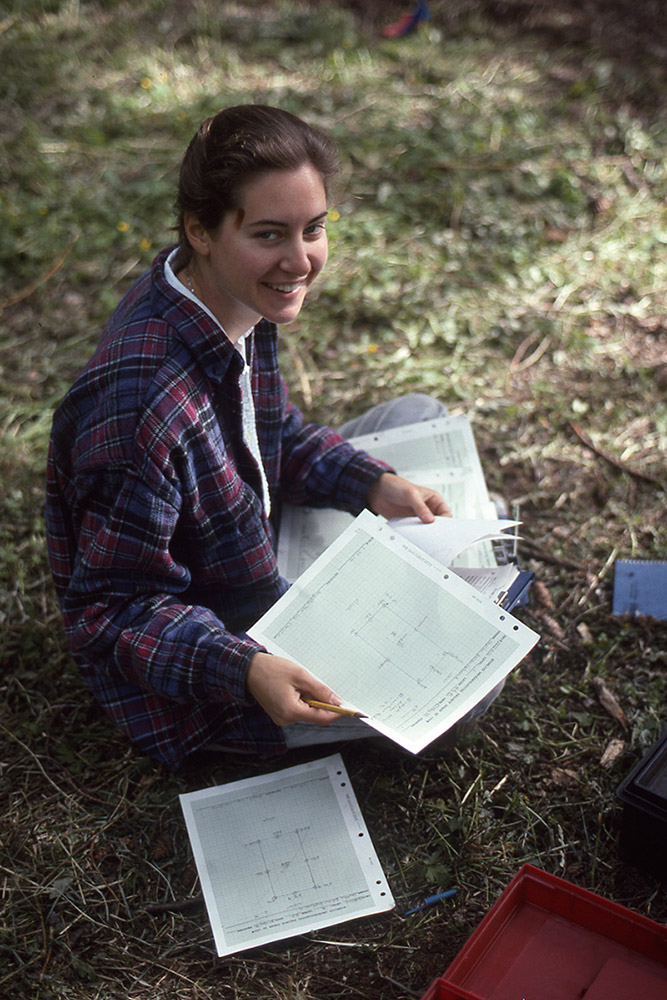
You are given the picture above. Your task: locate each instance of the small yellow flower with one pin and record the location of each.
(147, 83)
(123, 227)
(162, 77)
(145, 244)
(334, 214)
(373, 348)
(43, 210)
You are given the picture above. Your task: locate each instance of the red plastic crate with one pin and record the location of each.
(441, 990)
(546, 939)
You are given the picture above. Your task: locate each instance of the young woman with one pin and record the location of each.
(177, 442)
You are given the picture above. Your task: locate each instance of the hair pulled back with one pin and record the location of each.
(235, 145)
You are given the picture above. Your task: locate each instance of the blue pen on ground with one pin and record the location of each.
(430, 900)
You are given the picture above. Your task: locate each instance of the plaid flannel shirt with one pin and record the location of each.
(160, 550)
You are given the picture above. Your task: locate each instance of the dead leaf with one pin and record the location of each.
(564, 777)
(585, 634)
(551, 624)
(542, 595)
(609, 701)
(600, 204)
(163, 847)
(612, 752)
(553, 234)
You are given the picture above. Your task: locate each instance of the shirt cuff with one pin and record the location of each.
(226, 669)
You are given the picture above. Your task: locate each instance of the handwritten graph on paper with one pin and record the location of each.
(380, 623)
(281, 854)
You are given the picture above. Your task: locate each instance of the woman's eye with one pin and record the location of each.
(316, 229)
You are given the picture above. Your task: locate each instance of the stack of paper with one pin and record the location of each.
(440, 454)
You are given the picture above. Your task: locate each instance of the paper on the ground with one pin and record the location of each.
(283, 854)
(446, 537)
(395, 634)
(439, 454)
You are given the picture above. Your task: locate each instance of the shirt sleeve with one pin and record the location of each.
(124, 608)
(321, 468)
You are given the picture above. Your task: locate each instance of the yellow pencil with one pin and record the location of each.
(334, 708)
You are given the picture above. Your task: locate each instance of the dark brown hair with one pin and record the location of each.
(235, 145)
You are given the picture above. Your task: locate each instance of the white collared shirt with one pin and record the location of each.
(247, 402)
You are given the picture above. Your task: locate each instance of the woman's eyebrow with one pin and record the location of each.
(276, 222)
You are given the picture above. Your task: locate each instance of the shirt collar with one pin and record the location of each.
(196, 325)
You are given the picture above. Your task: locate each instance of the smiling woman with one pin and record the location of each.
(264, 256)
(252, 205)
(178, 440)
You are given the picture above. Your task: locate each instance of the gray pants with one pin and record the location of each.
(408, 409)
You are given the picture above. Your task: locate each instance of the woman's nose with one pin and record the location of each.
(296, 259)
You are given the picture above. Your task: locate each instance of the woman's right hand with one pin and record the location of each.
(280, 686)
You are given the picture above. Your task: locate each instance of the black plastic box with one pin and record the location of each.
(644, 796)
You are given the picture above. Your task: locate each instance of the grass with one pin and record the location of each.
(501, 244)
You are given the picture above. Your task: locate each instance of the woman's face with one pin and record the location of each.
(263, 258)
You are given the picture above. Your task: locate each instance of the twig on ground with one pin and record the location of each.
(617, 464)
(544, 555)
(597, 577)
(519, 362)
(175, 905)
(304, 381)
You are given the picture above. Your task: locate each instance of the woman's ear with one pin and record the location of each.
(198, 237)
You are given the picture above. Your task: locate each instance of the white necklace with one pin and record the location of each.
(188, 280)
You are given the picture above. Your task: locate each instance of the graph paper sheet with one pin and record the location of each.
(395, 634)
(445, 448)
(283, 854)
(440, 454)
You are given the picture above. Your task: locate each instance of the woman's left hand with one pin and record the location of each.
(393, 496)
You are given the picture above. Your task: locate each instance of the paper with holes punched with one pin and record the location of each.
(395, 634)
(283, 854)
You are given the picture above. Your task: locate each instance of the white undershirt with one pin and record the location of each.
(248, 417)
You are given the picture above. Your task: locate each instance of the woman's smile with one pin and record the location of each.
(286, 289)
